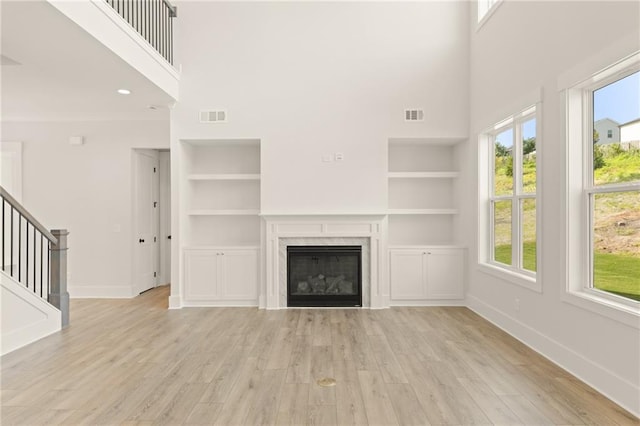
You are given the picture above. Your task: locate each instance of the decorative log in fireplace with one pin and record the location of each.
(324, 276)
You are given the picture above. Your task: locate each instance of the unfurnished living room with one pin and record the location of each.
(320, 212)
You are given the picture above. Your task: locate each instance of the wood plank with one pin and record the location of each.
(406, 405)
(377, 403)
(321, 367)
(299, 370)
(293, 406)
(264, 409)
(387, 361)
(349, 404)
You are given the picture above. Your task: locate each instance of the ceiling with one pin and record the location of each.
(53, 70)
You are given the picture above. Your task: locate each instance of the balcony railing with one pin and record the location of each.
(152, 19)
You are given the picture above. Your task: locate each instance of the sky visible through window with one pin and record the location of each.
(528, 131)
(619, 100)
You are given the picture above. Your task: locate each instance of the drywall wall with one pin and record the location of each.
(311, 79)
(523, 49)
(87, 190)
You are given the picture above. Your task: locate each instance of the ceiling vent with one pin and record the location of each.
(218, 116)
(413, 115)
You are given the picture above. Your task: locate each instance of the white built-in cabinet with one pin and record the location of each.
(221, 274)
(220, 195)
(425, 264)
(426, 274)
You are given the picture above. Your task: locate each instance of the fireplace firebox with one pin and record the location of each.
(324, 276)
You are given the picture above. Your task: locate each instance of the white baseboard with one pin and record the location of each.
(614, 387)
(399, 303)
(175, 302)
(220, 303)
(100, 292)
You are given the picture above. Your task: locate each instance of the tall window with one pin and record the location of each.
(512, 195)
(603, 183)
(612, 192)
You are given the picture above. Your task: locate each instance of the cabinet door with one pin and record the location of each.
(407, 271)
(201, 270)
(240, 274)
(445, 274)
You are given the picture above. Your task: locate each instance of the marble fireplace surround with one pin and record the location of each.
(368, 231)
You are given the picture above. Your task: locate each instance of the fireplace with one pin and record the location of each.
(324, 276)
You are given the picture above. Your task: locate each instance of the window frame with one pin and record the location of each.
(491, 7)
(581, 191)
(486, 262)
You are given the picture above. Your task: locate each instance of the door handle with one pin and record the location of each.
(141, 240)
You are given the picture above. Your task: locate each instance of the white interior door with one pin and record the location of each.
(165, 219)
(146, 221)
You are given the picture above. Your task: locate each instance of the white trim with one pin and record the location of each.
(488, 14)
(511, 276)
(204, 303)
(101, 292)
(426, 303)
(613, 386)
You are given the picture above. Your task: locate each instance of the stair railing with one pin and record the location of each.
(152, 19)
(34, 256)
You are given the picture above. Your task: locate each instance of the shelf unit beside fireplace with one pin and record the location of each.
(422, 186)
(222, 191)
(425, 266)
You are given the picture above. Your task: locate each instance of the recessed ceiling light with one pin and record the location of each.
(124, 91)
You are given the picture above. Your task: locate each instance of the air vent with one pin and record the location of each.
(218, 116)
(413, 115)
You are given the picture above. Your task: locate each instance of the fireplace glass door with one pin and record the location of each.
(324, 276)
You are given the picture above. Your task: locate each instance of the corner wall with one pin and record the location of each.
(87, 190)
(522, 48)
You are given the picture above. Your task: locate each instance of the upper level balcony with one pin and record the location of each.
(140, 32)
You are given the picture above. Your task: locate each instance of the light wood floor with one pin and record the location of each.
(135, 362)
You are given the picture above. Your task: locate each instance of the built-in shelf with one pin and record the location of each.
(422, 175)
(211, 212)
(421, 211)
(227, 176)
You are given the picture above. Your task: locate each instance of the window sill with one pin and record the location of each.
(513, 277)
(604, 306)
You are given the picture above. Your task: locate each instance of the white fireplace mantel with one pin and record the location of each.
(287, 227)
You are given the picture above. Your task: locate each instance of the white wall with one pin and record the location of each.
(87, 190)
(526, 46)
(312, 79)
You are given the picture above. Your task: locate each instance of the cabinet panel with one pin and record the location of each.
(445, 274)
(201, 275)
(407, 272)
(240, 274)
